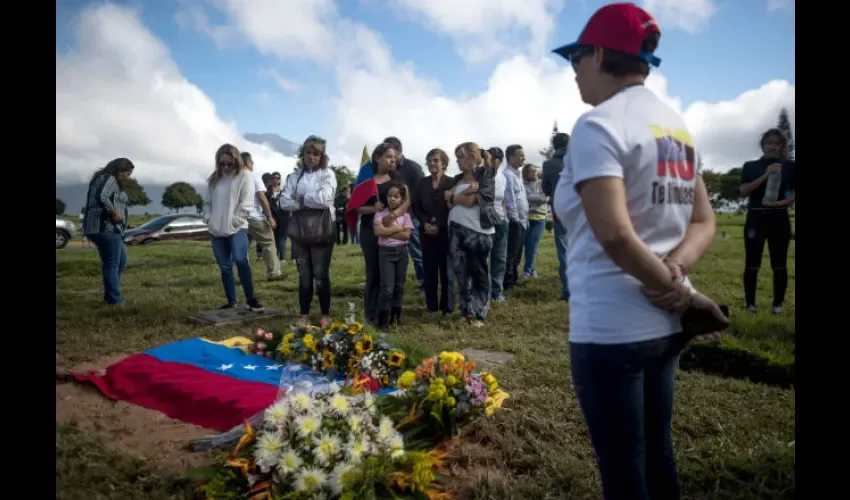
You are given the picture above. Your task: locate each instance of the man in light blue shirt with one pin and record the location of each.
(516, 210)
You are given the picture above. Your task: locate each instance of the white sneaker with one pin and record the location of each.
(776, 310)
(751, 308)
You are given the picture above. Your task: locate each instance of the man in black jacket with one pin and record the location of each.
(551, 172)
(340, 202)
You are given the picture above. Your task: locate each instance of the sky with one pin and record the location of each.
(166, 82)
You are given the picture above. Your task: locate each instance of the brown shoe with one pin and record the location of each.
(325, 322)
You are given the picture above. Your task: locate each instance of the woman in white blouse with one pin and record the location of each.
(311, 186)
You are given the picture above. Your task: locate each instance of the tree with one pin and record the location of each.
(60, 207)
(180, 195)
(547, 152)
(785, 126)
(136, 193)
(344, 177)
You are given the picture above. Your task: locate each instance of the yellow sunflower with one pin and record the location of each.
(396, 359)
(355, 328)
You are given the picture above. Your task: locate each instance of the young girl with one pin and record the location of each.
(392, 255)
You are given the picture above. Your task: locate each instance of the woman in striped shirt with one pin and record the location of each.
(105, 222)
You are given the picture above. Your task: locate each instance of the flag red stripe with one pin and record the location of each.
(183, 391)
(361, 194)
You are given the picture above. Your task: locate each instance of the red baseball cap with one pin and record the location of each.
(619, 26)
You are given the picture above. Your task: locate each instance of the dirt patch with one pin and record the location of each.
(132, 429)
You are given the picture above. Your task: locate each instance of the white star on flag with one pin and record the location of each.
(225, 367)
(249, 367)
(273, 367)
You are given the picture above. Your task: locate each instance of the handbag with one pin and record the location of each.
(310, 226)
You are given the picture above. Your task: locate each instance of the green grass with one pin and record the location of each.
(734, 413)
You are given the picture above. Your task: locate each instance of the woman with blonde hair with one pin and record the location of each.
(472, 220)
(538, 210)
(229, 200)
(309, 194)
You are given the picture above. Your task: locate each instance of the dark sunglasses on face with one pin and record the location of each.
(575, 59)
(225, 164)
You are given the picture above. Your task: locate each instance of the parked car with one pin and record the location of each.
(168, 227)
(65, 232)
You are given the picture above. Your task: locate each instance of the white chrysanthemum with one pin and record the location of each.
(356, 449)
(310, 479)
(289, 462)
(334, 388)
(339, 404)
(385, 430)
(301, 401)
(337, 479)
(396, 446)
(307, 425)
(327, 445)
(268, 450)
(277, 413)
(355, 423)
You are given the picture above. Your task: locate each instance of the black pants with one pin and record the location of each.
(341, 233)
(773, 226)
(369, 246)
(516, 240)
(470, 252)
(314, 263)
(393, 262)
(435, 263)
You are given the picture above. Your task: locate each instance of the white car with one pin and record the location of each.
(65, 232)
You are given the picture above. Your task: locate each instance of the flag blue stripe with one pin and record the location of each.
(365, 173)
(217, 358)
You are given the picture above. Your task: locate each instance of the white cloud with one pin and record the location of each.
(483, 28)
(119, 94)
(775, 5)
(686, 15)
(287, 84)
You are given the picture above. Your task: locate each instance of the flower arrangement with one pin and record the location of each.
(326, 445)
(443, 394)
(342, 349)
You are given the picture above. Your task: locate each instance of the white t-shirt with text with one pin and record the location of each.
(637, 137)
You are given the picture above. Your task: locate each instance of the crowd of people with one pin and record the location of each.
(631, 218)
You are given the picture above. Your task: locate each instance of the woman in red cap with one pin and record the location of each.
(635, 206)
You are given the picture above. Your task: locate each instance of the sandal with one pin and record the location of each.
(302, 322)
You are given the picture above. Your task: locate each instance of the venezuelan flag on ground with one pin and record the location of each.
(210, 384)
(364, 188)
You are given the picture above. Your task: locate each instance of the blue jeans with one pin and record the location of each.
(626, 395)
(113, 259)
(499, 261)
(415, 250)
(532, 241)
(561, 250)
(229, 251)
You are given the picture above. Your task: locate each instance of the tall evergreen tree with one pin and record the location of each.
(785, 126)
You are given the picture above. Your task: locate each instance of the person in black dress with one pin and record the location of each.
(767, 219)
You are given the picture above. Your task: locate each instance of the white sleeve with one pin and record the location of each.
(594, 152)
(287, 195)
(259, 186)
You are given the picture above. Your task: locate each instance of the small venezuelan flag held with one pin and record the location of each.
(211, 384)
(364, 189)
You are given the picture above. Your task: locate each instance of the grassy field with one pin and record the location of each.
(734, 413)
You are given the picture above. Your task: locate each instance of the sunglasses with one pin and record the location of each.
(575, 58)
(226, 164)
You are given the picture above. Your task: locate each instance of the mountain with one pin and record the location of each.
(274, 141)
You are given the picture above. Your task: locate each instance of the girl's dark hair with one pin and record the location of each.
(317, 142)
(620, 64)
(115, 167)
(774, 132)
(394, 184)
(380, 151)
